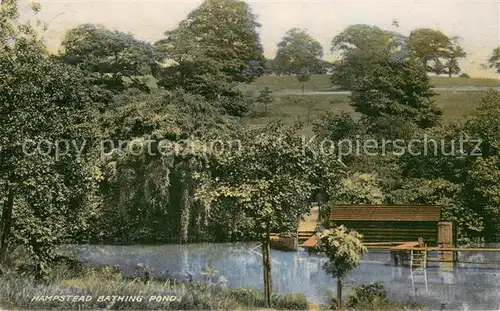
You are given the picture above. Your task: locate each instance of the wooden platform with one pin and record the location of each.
(411, 250)
(312, 242)
(406, 246)
(307, 228)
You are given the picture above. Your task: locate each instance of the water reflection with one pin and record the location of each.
(465, 286)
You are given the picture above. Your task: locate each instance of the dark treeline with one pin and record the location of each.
(107, 85)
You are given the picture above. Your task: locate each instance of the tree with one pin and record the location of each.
(216, 46)
(299, 54)
(47, 196)
(270, 194)
(148, 197)
(438, 52)
(114, 57)
(428, 45)
(361, 37)
(400, 89)
(265, 97)
(303, 76)
(458, 173)
(344, 250)
(360, 46)
(452, 54)
(360, 188)
(494, 60)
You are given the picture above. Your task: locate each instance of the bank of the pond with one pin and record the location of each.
(239, 265)
(104, 288)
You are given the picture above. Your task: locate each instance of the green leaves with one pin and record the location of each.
(270, 181)
(343, 248)
(116, 59)
(300, 54)
(399, 89)
(214, 48)
(44, 101)
(438, 52)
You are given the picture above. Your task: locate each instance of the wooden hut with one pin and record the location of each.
(389, 223)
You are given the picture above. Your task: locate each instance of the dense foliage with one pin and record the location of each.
(111, 103)
(46, 167)
(216, 46)
(114, 59)
(399, 89)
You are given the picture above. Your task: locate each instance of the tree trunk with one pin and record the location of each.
(266, 267)
(449, 72)
(7, 223)
(303, 88)
(339, 293)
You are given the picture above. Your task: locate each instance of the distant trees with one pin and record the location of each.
(494, 61)
(299, 54)
(216, 46)
(265, 97)
(344, 249)
(360, 46)
(438, 52)
(400, 89)
(115, 59)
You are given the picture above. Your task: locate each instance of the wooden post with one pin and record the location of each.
(446, 238)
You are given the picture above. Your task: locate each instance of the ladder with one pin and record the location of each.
(418, 259)
(419, 273)
(418, 267)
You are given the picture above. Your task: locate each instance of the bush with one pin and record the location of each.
(464, 75)
(252, 297)
(367, 293)
(373, 296)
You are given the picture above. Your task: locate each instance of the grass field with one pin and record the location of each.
(322, 83)
(309, 108)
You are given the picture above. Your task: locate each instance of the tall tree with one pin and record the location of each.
(299, 54)
(361, 37)
(216, 46)
(361, 46)
(271, 194)
(400, 89)
(117, 59)
(149, 196)
(438, 52)
(344, 249)
(45, 193)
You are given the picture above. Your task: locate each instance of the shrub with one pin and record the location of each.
(373, 296)
(252, 297)
(464, 75)
(367, 293)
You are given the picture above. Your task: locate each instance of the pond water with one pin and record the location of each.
(466, 286)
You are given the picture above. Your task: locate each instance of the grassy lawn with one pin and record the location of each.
(322, 83)
(288, 83)
(455, 81)
(292, 108)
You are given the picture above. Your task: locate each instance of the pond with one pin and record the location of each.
(465, 286)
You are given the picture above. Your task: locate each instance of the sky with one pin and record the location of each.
(476, 22)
